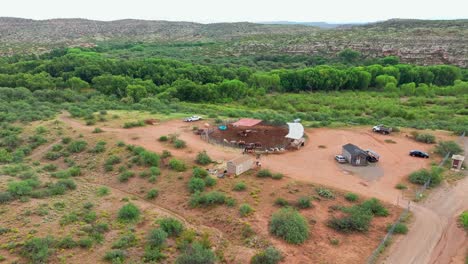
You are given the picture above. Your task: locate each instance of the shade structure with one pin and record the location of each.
(296, 131)
(247, 122)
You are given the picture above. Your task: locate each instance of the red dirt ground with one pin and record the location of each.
(268, 136)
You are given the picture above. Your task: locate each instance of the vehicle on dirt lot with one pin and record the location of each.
(382, 129)
(340, 159)
(192, 119)
(372, 156)
(418, 153)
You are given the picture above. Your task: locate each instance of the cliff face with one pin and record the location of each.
(415, 41)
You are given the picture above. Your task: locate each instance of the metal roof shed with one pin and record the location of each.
(296, 131)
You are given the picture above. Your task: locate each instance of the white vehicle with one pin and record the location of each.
(192, 119)
(340, 159)
(382, 129)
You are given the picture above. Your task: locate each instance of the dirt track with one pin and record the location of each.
(434, 226)
(434, 237)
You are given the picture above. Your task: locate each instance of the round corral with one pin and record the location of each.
(264, 136)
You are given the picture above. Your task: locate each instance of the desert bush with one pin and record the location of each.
(400, 228)
(5, 197)
(163, 138)
(422, 176)
(325, 193)
(177, 165)
(245, 210)
(22, 188)
(239, 186)
(120, 144)
(166, 154)
(268, 256)
(153, 255)
(133, 124)
(179, 143)
(304, 202)
(156, 238)
(5, 156)
(210, 181)
(401, 186)
(125, 241)
(77, 146)
(358, 219)
(196, 254)
(112, 160)
(171, 226)
(38, 250)
(289, 225)
(129, 213)
(50, 167)
(41, 130)
(264, 173)
(51, 155)
(57, 147)
(196, 185)
(352, 197)
(426, 138)
(67, 243)
(99, 148)
(463, 218)
(85, 242)
(203, 158)
(152, 194)
(444, 147)
(66, 140)
(281, 202)
(277, 176)
(124, 176)
(207, 199)
(102, 191)
(115, 256)
(198, 172)
(375, 207)
(97, 130)
(149, 158)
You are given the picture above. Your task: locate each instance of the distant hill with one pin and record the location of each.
(415, 41)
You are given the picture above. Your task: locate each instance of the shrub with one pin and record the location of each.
(77, 146)
(177, 165)
(281, 202)
(112, 160)
(5, 197)
(149, 158)
(179, 143)
(207, 199)
(199, 172)
(425, 138)
(41, 130)
(66, 140)
(289, 225)
(277, 176)
(99, 148)
(163, 138)
(171, 226)
(203, 158)
(124, 176)
(166, 154)
(196, 254)
(38, 250)
(304, 202)
(133, 124)
(153, 255)
(97, 130)
(21, 188)
(103, 191)
(352, 197)
(125, 241)
(375, 207)
(464, 219)
(358, 219)
(67, 242)
(264, 173)
(85, 242)
(50, 167)
(230, 201)
(120, 144)
(268, 256)
(57, 147)
(155, 171)
(245, 210)
(129, 213)
(401, 186)
(240, 186)
(156, 238)
(325, 193)
(115, 256)
(445, 147)
(400, 228)
(196, 185)
(153, 193)
(50, 155)
(422, 176)
(210, 181)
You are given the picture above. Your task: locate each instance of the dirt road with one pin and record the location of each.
(434, 237)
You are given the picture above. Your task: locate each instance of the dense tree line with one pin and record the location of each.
(135, 79)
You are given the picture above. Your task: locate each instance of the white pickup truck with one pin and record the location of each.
(192, 119)
(382, 129)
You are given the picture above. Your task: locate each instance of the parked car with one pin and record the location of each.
(418, 153)
(340, 159)
(382, 129)
(372, 156)
(192, 119)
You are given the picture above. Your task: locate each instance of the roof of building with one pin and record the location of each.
(240, 159)
(247, 122)
(296, 131)
(353, 149)
(458, 157)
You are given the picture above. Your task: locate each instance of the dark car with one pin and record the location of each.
(418, 153)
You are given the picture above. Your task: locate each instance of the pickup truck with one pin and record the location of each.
(192, 119)
(382, 129)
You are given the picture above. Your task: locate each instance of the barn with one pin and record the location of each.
(354, 155)
(240, 165)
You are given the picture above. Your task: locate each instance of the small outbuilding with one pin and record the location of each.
(457, 162)
(296, 135)
(354, 155)
(240, 165)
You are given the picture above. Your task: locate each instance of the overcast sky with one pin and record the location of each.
(237, 10)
